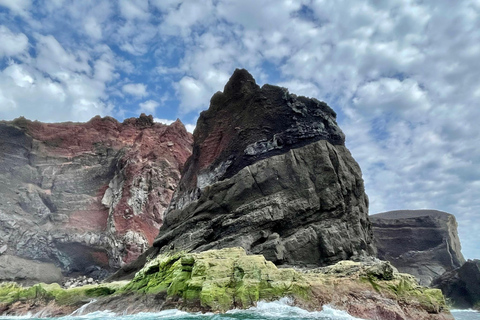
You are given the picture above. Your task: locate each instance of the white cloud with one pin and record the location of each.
(12, 43)
(390, 95)
(19, 7)
(149, 106)
(134, 9)
(135, 89)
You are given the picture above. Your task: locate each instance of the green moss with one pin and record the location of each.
(219, 279)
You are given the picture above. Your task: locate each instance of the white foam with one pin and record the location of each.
(464, 310)
(284, 309)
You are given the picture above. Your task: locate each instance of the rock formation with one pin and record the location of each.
(270, 173)
(220, 280)
(86, 195)
(462, 285)
(424, 243)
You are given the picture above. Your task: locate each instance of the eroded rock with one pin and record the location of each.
(423, 243)
(87, 194)
(270, 173)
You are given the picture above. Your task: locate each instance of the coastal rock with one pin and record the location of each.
(220, 280)
(462, 285)
(423, 243)
(86, 195)
(28, 272)
(269, 173)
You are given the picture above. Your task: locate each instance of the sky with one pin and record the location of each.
(402, 75)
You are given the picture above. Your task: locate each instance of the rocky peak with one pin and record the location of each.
(270, 173)
(246, 124)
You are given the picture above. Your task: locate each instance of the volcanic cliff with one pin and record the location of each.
(84, 196)
(423, 243)
(269, 173)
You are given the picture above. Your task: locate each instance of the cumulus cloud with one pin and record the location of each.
(12, 43)
(148, 106)
(135, 89)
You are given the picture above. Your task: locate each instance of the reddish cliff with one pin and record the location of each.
(85, 195)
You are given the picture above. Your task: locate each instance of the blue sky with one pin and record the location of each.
(403, 76)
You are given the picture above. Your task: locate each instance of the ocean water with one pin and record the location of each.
(278, 310)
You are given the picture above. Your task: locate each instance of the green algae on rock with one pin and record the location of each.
(219, 280)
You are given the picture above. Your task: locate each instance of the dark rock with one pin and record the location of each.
(270, 173)
(462, 285)
(423, 243)
(87, 194)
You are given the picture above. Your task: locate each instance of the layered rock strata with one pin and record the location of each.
(462, 285)
(86, 195)
(423, 243)
(270, 173)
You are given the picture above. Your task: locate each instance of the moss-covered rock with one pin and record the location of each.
(219, 280)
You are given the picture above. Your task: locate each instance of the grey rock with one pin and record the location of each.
(423, 243)
(462, 285)
(269, 173)
(28, 272)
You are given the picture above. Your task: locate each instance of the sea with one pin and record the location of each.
(277, 310)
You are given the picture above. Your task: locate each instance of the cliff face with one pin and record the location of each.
(423, 243)
(462, 285)
(270, 173)
(86, 195)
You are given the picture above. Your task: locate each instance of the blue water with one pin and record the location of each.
(279, 310)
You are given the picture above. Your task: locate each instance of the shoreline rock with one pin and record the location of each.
(219, 280)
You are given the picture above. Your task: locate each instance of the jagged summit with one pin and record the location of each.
(246, 123)
(270, 173)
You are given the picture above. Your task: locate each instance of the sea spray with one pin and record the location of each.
(276, 310)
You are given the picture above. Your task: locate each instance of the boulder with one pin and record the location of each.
(462, 285)
(269, 173)
(423, 243)
(82, 195)
(28, 272)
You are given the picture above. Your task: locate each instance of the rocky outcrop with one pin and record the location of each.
(462, 285)
(86, 195)
(28, 272)
(220, 280)
(270, 173)
(423, 243)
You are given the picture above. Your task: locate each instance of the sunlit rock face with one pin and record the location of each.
(87, 195)
(270, 173)
(423, 243)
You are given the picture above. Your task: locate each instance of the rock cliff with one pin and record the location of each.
(270, 173)
(462, 285)
(423, 243)
(86, 195)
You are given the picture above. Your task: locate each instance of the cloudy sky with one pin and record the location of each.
(403, 76)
